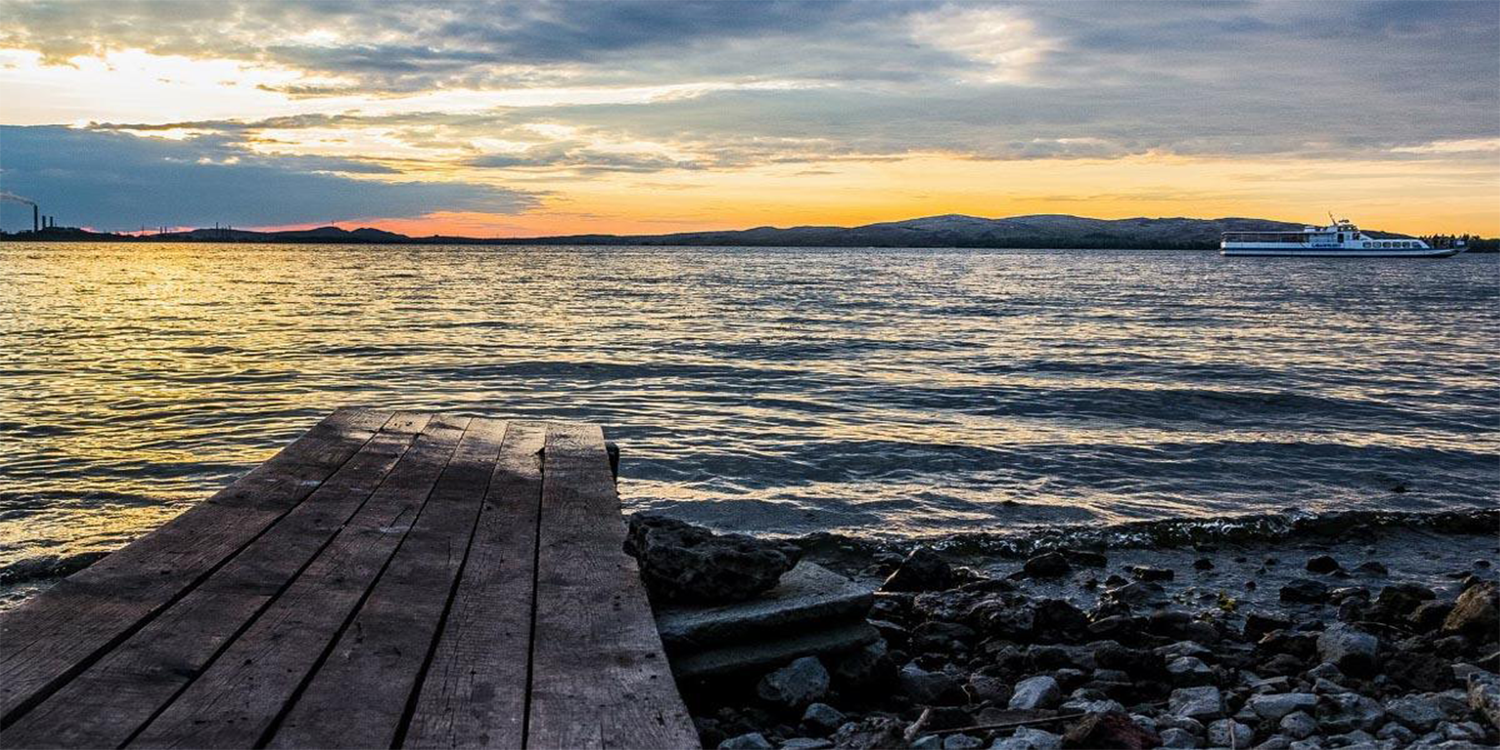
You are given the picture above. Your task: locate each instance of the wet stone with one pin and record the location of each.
(1352, 651)
(1322, 564)
(922, 570)
(1202, 703)
(1304, 591)
(1041, 691)
(1047, 565)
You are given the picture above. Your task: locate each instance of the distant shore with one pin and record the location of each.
(1051, 231)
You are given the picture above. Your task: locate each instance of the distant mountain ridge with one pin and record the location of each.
(948, 230)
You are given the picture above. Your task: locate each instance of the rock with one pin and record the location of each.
(870, 733)
(1275, 742)
(1372, 568)
(922, 570)
(1047, 565)
(1229, 733)
(1203, 563)
(1322, 564)
(1056, 619)
(983, 688)
(1139, 594)
(1027, 738)
(962, 742)
(866, 669)
(1394, 731)
(807, 596)
(1090, 559)
(1298, 725)
(1202, 703)
(927, 688)
(1035, 692)
(1484, 696)
(1188, 671)
(1476, 613)
(1352, 651)
(927, 742)
(751, 741)
(681, 562)
(1399, 599)
(1148, 573)
(1257, 625)
(1174, 737)
(1419, 713)
(938, 636)
(795, 685)
(1140, 665)
(1276, 705)
(1429, 616)
(1304, 591)
(1110, 730)
(1343, 712)
(822, 718)
(806, 743)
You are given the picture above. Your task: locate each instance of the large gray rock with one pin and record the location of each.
(683, 562)
(795, 685)
(1419, 713)
(1352, 651)
(1484, 696)
(1276, 705)
(1041, 691)
(1203, 703)
(809, 594)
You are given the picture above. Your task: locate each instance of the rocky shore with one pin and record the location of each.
(1082, 648)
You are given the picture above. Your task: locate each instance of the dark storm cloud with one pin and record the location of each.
(119, 181)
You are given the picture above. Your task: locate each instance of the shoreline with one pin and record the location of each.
(1114, 641)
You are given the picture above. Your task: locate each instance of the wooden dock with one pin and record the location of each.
(388, 580)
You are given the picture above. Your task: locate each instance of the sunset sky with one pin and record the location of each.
(532, 118)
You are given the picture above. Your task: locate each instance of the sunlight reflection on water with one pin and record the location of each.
(893, 392)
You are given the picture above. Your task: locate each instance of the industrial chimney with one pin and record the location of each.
(35, 218)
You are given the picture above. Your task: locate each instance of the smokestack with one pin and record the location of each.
(35, 220)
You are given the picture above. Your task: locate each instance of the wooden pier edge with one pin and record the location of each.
(389, 579)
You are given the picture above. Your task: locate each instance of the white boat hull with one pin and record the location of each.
(1337, 252)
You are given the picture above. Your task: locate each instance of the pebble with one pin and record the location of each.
(1202, 703)
(795, 685)
(823, 718)
(1174, 737)
(1041, 691)
(1229, 733)
(1298, 725)
(1274, 706)
(750, 741)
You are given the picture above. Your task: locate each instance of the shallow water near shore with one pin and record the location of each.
(873, 392)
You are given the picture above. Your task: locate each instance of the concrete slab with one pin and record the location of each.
(825, 639)
(808, 594)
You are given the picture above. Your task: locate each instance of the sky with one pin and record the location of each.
(538, 118)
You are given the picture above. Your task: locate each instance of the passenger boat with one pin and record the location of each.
(1339, 239)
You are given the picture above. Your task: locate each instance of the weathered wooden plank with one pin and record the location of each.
(105, 704)
(474, 692)
(359, 696)
(599, 677)
(235, 701)
(101, 605)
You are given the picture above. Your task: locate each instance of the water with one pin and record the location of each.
(894, 393)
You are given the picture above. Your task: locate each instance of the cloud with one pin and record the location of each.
(119, 181)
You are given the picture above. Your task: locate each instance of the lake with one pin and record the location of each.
(877, 392)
